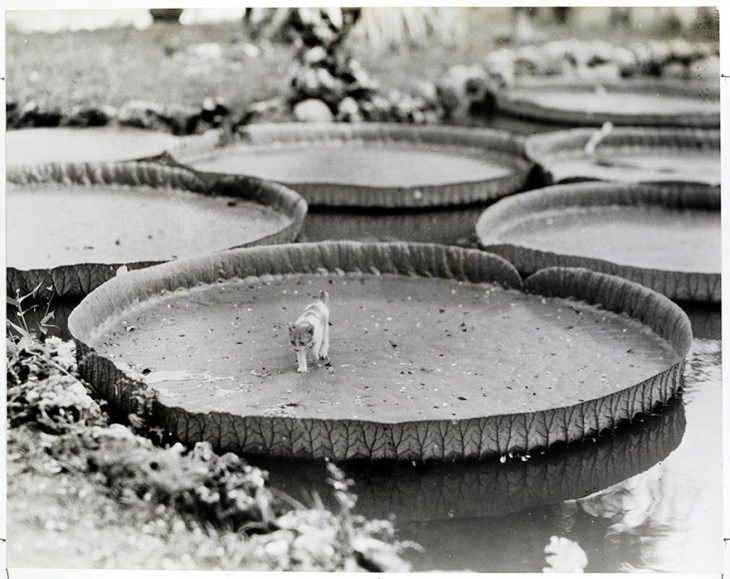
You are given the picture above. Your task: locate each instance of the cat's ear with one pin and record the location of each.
(309, 329)
(291, 328)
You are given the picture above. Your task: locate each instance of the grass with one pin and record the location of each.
(113, 66)
(61, 520)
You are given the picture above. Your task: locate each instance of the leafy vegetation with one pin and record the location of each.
(76, 481)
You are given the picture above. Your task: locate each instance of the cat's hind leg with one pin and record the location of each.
(324, 349)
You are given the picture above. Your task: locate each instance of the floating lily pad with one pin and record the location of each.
(375, 165)
(89, 145)
(666, 236)
(633, 154)
(436, 352)
(70, 227)
(639, 102)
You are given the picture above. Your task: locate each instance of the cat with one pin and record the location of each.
(311, 331)
(602, 133)
(597, 137)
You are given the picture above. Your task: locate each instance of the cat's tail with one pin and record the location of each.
(324, 296)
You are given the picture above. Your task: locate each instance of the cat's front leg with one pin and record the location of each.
(317, 346)
(324, 349)
(302, 361)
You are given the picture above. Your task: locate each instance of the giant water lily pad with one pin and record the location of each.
(634, 154)
(638, 102)
(436, 352)
(666, 236)
(70, 227)
(375, 165)
(89, 145)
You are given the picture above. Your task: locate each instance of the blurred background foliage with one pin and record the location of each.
(80, 67)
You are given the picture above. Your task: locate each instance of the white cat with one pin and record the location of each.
(311, 331)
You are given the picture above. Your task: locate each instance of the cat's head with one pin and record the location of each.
(301, 335)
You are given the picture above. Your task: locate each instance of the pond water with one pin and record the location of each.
(646, 497)
(449, 225)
